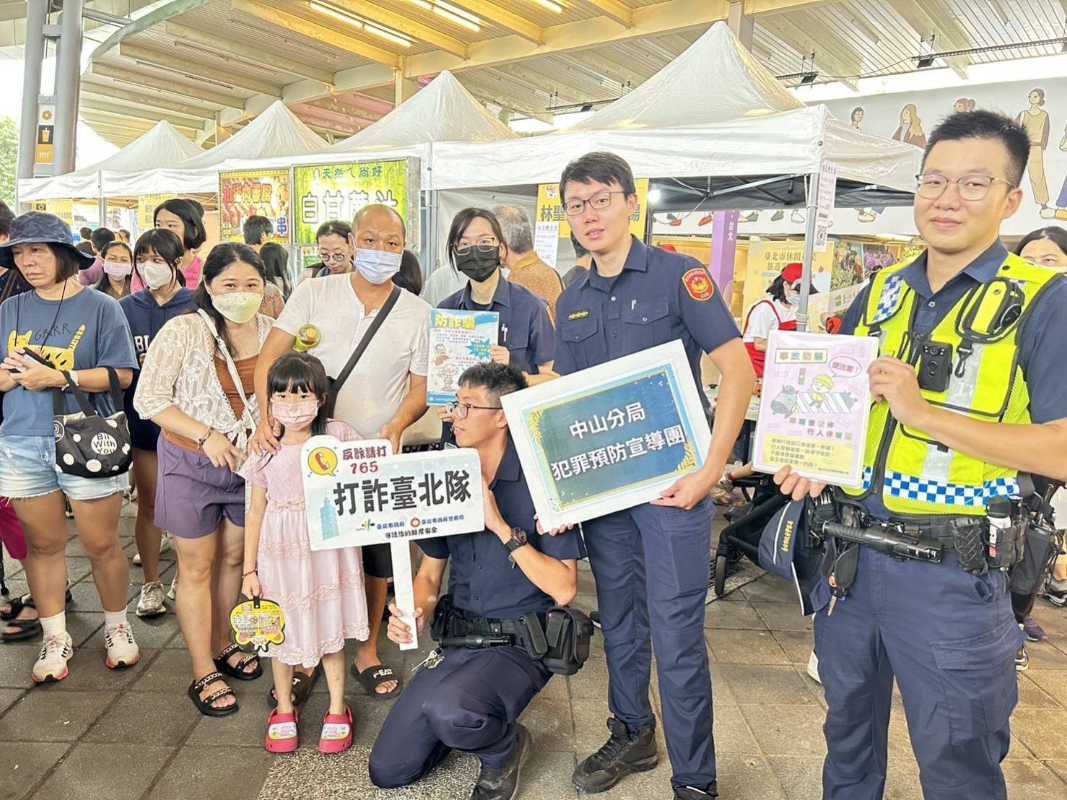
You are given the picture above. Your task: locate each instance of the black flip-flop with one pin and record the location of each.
(373, 677)
(204, 705)
(26, 601)
(238, 672)
(24, 629)
(302, 686)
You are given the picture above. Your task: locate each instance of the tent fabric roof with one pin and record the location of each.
(443, 111)
(162, 146)
(276, 132)
(714, 80)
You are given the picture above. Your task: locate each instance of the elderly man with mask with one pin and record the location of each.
(385, 390)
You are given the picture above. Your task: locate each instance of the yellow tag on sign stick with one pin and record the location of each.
(258, 622)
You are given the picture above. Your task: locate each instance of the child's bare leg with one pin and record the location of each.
(333, 665)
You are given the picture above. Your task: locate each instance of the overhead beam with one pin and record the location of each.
(196, 69)
(405, 25)
(805, 44)
(613, 9)
(779, 6)
(933, 18)
(135, 126)
(141, 81)
(228, 48)
(306, 27)
(517, 24)
(156, 101)
(126, 112)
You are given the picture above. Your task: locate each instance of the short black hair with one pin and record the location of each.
(116, 243)
(985, 125)
(334, 227)
(579, 251)
(6, 215)
(376, 207)
(606, 168)
(497, 379)
(164, 244)
(85, 232)
(300, 372)
(191, 213)
(218, 261)
(460, 223)
(410, 275)
(1054, 233)
(255, 228)
(101, 238)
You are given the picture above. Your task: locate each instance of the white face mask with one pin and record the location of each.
(155, 275)
(792, 297)
(117, 270)
(237, 307)
(377, 266)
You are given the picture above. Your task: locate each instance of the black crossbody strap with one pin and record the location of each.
(383, 312)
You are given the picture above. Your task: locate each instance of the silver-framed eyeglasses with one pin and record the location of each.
(336, 258)
(971, 187)
(461, 410)
(487, 244)
(598, 202)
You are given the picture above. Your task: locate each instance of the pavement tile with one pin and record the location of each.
(783, 616)
(45, 715)
(92, 772)
(25, 763)
(732, 732)
(84, 596)
(1045, 655)
(170, 672)
(150, 718)
(1052, 681)
(796, 644)
(744, 647)
(218, 773)
(550, 724)
(1043, 731)
(800, 776)
(88, 671)
(786, 730)
(771, 684)
(78, 567)
(591, 681)
(16, 661)
(734, 616)
(1059, 767)
(1034, 781)
(769, 589)
(8, 698)
(746, 777)
(1034, 695)
(81, 625)
(547, 776)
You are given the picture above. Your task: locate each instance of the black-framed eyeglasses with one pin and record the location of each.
(461, 410)
(598, 202)
(487, 245)
(971, 187)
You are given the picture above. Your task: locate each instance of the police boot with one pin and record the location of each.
(503, 783)
(625, 752)
(691, 793)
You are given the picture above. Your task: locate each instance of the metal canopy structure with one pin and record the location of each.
(209, 66)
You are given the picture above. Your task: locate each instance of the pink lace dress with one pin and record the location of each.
(321, 593)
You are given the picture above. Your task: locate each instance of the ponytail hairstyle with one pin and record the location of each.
(218, 261)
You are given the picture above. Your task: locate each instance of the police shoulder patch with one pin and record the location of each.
(579, 314)
(699, 284)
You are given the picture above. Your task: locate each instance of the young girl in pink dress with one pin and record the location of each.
(321, 593)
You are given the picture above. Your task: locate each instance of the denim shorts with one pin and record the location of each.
(28, 469)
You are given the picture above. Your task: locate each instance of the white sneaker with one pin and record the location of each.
(813, 668)
(51, 665)
(164, 546)
(151, 603)
(173, 590)
(122, 649)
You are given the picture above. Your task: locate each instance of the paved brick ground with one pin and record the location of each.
(135, 735)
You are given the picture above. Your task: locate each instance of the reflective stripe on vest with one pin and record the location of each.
(916, 474)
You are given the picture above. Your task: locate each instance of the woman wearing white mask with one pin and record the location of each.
(777, 311)
(196, 384)
(118, 267)
(157, 259)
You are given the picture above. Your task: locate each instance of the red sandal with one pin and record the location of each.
(337, 732)
(282, 734)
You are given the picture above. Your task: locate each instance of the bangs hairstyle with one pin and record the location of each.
(985, 125)
(67, 264)
(497, 379)
(463, 220)
(191, 213)
(777, 289)
(164, 244)
(1054, 233)
(112, 245)
(218, 261)
(300, 372)
(606, 168)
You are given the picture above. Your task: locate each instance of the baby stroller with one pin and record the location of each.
(741, 536)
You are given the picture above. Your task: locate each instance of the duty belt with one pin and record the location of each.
(463, 629)
(943, 530)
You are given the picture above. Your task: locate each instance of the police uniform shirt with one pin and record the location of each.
(658, 297)
(483, 580)
(525, 329)
(1041, 337)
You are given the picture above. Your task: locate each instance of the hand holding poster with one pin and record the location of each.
(815, 405)
(609, 437)
(458, 339)
(356, 493)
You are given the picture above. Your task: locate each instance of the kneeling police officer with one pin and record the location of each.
(501, 637)
(969, 393)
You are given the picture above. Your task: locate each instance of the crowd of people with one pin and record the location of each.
(208, 358)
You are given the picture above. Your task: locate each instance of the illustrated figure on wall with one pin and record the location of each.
(1060, 211)
(856, 117)
(964, 104)
(1036, 123)
(910, 129)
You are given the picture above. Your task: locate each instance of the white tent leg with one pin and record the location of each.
(809, 250)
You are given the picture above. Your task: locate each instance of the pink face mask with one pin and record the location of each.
(296, 415)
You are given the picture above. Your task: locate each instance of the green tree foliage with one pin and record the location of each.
(9, 155)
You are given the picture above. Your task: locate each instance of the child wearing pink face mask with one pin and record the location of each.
(321, 593)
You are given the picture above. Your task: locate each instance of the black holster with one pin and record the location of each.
(568, 632)
(1041, 545)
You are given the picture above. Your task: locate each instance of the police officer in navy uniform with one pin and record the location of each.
(969, 392)
(471, 698)
(650, 562)
(476, 248)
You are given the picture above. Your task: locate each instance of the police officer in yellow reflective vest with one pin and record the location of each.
(969, 392)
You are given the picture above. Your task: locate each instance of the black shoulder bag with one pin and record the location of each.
(89, 445)
(379, 319)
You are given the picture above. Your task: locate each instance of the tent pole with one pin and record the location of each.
(102, 200)
(809, 249)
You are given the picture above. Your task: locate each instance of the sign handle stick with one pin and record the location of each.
(403, 589)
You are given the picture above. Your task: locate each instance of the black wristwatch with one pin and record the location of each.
(518, 539)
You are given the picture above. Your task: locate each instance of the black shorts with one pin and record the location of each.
(378, 561)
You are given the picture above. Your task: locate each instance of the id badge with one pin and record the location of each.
(257, 624)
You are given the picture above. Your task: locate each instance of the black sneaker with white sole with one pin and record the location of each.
(503, 784)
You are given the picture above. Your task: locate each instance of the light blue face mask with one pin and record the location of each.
(377, 266)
